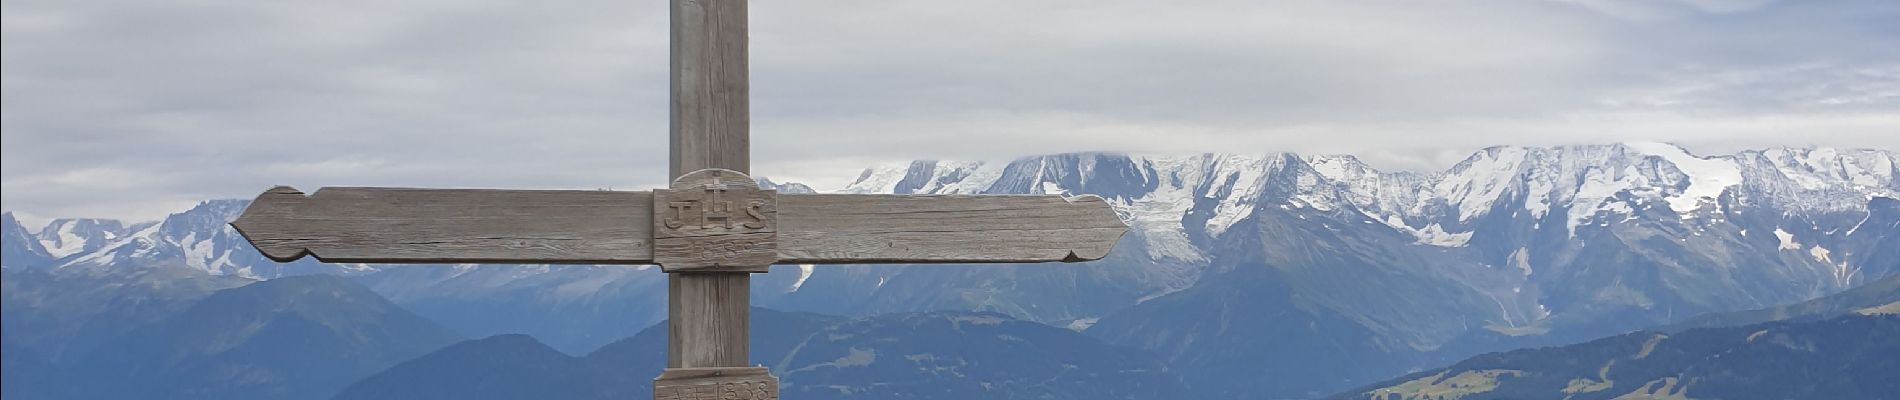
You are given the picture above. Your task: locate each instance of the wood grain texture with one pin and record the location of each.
(398, 225)
(715, 220)
(711, 103)
(857, 228)
(732, 383)
(710, 128)
(708, 315)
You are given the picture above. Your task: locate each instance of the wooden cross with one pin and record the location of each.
(709, 230)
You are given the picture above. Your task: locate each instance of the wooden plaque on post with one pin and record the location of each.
(715, 220)
(727, 383)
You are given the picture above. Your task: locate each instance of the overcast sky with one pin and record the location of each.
(135, 109)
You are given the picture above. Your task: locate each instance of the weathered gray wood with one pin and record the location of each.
(842, 229)
(396, 225)
(715, 220)
(711, 107)
(697, 335)
(425, 226)
(733, 383)
(710, 128)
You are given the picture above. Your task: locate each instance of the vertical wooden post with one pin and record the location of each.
(711, 107)
(707, 313)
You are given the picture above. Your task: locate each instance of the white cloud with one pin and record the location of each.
(179, 101)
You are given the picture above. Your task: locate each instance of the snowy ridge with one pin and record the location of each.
(1706, 178)
(1439, 208)
(200, 238)
(1587, 180)
(1175, 203)
(1168, 187)
(67, 236)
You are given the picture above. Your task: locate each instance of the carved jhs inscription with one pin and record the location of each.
(715, 219)
(714, 209)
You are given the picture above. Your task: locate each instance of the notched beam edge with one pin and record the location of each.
(428, 226)
(270, 204)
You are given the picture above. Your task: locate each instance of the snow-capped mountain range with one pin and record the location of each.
(1514, 246)
(68, 236)
(1436, 207)
(1178, 205)
(199, 238)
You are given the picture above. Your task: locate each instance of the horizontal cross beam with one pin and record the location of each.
(429, 226)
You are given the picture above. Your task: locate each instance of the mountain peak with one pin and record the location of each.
(1705, 178)
(200, 238)
(786, 187)
(18, 247)
(67, 236)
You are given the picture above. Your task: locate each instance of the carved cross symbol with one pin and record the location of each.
(708, 263)
(715, 208)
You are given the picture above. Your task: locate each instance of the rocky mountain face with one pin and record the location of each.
(69, 236)
(1512, 247)
(200, 238)
(1516, 247)
(784, 187)
(1401, 271)
(944, 355)
(18, 246)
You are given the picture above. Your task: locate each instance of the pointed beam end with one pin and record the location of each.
(1106, 214)
(265, 223)
(1096, 252)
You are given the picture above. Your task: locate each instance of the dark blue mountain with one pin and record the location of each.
(1877, 297)
(300, 337)
(27, 374)
(907, 356)
(63, 315)
(1839, 346)
(498, 367)
(1852, 357)
(572, 308)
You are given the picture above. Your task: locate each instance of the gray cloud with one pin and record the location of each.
(132, 109)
